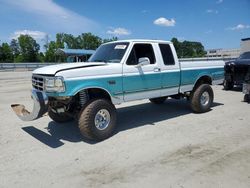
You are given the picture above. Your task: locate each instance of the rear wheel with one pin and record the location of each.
(202, 98)
(247, 98)
(228, 85)
(158, 100)
(97, 120)
(59, 117)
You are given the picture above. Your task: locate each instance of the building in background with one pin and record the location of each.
(245, 45)
(230, 53)
(75, 55)
(223, 53)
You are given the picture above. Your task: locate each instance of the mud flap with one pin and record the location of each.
(40, 107)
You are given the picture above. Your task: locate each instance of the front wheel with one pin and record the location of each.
(247, 98)
(228, 85)
(202, 98)
(97, 120)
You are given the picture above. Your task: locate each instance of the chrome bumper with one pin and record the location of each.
(40, 107)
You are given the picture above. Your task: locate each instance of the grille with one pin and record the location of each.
(38, 82)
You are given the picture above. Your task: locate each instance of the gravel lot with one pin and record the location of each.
(155, 146)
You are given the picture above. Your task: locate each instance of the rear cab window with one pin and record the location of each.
(167, 54)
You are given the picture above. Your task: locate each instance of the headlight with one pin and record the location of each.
(54, 84)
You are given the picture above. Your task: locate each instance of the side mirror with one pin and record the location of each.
(143, 61)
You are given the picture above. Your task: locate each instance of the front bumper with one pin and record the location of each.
(228, 77)
(40, 107)
(246, 88)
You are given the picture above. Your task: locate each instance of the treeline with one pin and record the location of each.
(188, 49)
(26, 49)
(86, 41)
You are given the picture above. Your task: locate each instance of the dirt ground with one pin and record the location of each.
(154, 146)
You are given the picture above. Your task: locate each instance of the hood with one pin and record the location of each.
(54, 69)
(81, 70)
(239, 62)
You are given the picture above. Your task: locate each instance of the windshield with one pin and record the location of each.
(245, 55)
(110, 53)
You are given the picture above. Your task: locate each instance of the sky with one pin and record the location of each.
(215, 23)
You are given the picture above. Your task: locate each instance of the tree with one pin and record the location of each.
(68, 39)
(59, 40)
(50, 53)
(41, 57)
(89, 41)
(110, 40)
(6, 53)
(15, 47)
(46, 41)
(188, 49)
(28, 49)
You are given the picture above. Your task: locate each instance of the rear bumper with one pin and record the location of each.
(40, 107)
(246, 88)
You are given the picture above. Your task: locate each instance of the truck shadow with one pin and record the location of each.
(150, 114)
(128, 118)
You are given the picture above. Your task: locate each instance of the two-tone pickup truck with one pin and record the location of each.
(119, 72)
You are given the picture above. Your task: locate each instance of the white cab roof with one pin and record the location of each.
(142, 40)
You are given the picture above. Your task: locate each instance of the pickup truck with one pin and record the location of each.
(237, 71)
(119, 72)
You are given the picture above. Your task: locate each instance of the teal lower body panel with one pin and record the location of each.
(141, 82)
(189, 77)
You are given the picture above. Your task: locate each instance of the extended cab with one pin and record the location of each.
(118, 72)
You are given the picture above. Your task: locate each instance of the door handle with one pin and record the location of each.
(157, 69)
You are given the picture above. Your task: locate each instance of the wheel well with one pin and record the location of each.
(98, 93)
(203, 80)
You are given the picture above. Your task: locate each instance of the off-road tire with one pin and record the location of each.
(59, 118)
(159, 100)
(196, 98)
(86, 121)
(228, 85)
(247, 98)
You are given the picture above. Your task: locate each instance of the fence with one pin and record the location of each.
(32, 66)
(23, 66)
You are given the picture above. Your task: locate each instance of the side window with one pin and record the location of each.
(139, 51)
(132, 58)
(167, 54)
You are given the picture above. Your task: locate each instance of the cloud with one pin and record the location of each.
(165, 22)
(209, 31)
(219, 1)
(37, 35)
(239, 27)
(49, 14)
(145, 11)
(211, 11)
(118, 31)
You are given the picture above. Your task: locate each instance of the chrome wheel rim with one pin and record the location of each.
(102, 119)
(204, 100)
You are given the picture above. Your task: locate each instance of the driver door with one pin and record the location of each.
(141, 82)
